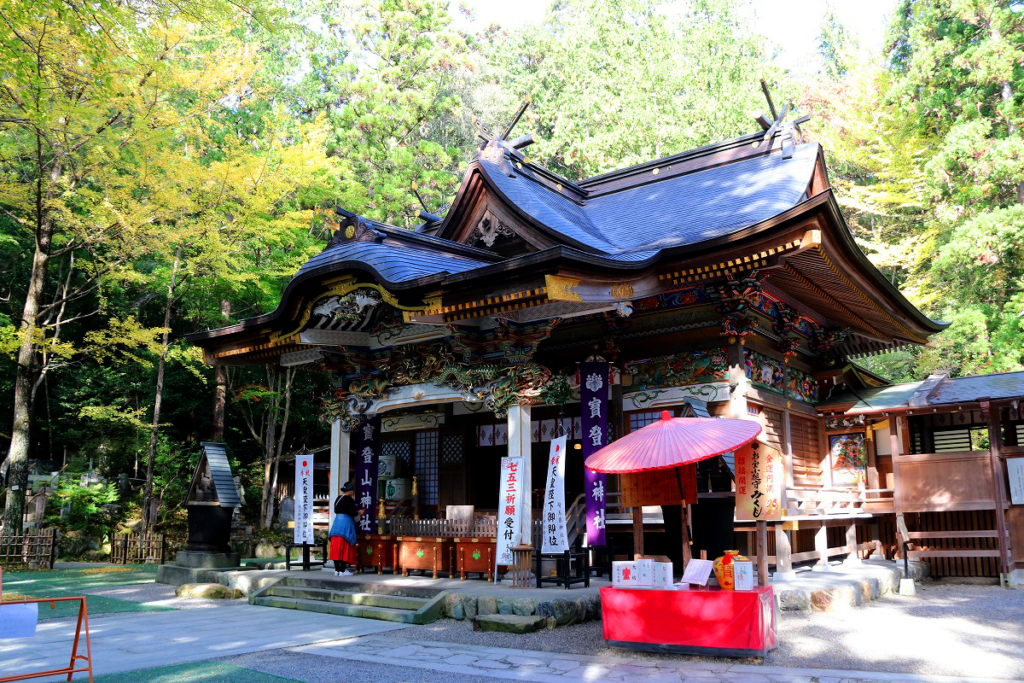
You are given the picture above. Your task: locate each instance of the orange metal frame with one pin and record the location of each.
(85, 665)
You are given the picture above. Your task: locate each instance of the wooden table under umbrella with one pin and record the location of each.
(672, 443)
(708, 622)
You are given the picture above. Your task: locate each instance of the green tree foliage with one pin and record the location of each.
(959, 77)
(620, 82)
(387, 77)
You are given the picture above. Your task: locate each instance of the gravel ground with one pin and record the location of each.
(956, 630)
(310, 668)
(156, 595)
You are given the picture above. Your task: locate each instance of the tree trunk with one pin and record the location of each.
(276, 468)
(21, 427)
(154, 429)
(270, 437)
(220, 393)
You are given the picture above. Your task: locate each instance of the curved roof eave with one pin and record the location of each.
(567, 254)
(873, 273)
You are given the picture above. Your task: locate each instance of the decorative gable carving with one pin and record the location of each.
(488, 230)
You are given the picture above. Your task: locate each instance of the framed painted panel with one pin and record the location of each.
(849, 459)
(501, 434)
(485, 435)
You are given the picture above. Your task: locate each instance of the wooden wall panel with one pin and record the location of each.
(807, 455)
(1015, 520)
(946, 481)
(771, 424)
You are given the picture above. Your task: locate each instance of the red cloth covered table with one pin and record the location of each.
(690, 621)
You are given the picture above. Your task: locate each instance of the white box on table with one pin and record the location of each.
(624, 575)
(644, 573)
(662, 577)
(743, 575)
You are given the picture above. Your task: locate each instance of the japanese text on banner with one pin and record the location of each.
(594, 404)
(367, 468)
(303, 498)
(509, 508)
(759, 477)
(555, 537)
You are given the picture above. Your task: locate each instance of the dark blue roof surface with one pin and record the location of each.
(680, 210)
(220, 470)
(392, 262)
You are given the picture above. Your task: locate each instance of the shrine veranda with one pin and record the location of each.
(722, 281)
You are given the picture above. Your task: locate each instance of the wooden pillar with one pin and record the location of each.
(869, 434)
(638, 531)
(897, 425)
(762, 552)
(783, 553)
(520, 446)
(877, 553)
(995, 439)
(340, 441)
(821, 548)
(687, 550)
(851, 540)
(738, 381)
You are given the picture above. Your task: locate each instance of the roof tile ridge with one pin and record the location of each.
(439, 244)
(692, 153)
(653, 179)
(928, 389)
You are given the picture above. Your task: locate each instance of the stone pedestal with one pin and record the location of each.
(196, 567)
(204, 560)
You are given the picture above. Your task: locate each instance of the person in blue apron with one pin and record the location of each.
(343, 530)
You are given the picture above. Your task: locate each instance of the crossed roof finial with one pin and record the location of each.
(485, 133)
(788, 130)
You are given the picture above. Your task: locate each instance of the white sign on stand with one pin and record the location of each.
(1015, 473)
(304, 498)
(697, 572)
(509, 508)
(555, 536)
(18, 621)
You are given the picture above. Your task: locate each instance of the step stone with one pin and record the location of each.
(379, 613)
(510, 623)
(361, 599)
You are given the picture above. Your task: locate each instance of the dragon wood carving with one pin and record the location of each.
(498, 386)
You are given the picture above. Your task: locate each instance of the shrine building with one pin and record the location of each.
(720, 281)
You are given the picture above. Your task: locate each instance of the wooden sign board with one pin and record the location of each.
(760, 473)
(658, 487)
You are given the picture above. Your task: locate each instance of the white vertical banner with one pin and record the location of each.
(510, 508)
(304, 498)
(556, 538)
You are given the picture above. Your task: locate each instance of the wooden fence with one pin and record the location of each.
(34, 550)
(138, 549)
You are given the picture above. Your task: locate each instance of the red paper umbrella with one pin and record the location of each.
(672, 442)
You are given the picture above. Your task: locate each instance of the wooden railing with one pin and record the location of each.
(138, 549)
(34, 550)
(406, 526)
(805, 500)
(780, 541)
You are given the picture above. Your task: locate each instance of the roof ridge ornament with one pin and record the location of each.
(788, 131)
(497, 148)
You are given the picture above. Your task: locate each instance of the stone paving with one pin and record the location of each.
(138, 641)
(554, 667)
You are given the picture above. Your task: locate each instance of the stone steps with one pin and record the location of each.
(407, 605)
(359, 599)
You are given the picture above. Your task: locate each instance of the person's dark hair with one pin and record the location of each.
(348, 487)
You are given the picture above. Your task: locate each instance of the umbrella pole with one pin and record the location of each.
(686, 531)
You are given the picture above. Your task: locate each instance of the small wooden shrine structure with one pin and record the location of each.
(211, 501)
(723, 277)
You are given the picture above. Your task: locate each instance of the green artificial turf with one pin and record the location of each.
(62, 583)
(196, 672)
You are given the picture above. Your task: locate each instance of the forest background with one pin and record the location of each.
(162, 163)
